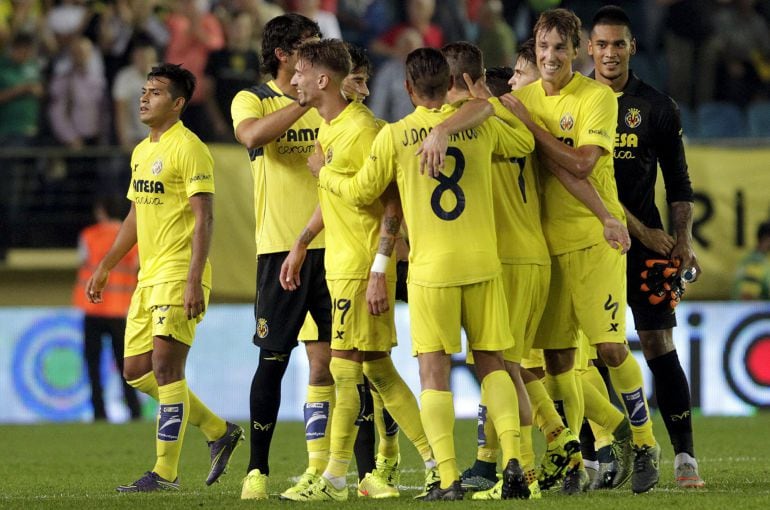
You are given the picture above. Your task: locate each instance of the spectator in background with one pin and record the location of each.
(752, 278)
(195, 33)
(688, 31)
(21, 88)
(25, 16)
(67, 20)
(389, 100)
(496, 38)
(259, 11)
(330, 27)
(20, 92)
(364, 20)
(229, 71)
(126, 90)
(453, 21)
(740, 45)
(418, 16)
(123, 21)
(77, 93)
(109, 317)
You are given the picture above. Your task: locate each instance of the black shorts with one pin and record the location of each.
(647, 317)
(279, 313)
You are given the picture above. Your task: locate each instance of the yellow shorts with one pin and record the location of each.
(159, 311)
(353, 327)
(588, 292)
(436, 315)
(585, 352)
(534, 359)
(309, 330)
(526, 289)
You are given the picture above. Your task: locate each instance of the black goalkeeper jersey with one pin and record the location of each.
(649, 133)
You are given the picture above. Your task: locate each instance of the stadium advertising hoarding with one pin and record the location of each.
(724, 348)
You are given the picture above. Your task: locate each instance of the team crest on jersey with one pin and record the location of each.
(633, 118)
(567, 122)
(262, 329)
(329, 155)
(157, 167)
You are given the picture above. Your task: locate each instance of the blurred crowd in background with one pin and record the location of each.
(71, 70)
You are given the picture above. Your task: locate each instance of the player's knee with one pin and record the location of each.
(656, 343)
(612, 354)
(559, 361)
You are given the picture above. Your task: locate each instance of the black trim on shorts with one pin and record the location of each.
(279, 314)
(647, 317)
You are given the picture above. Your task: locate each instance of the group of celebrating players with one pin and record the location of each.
(527, 199)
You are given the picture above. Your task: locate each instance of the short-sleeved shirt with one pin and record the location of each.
(451, 219)
(584, 113)
(164, 175)
(285, 193)
(516, 195)
(352, 232)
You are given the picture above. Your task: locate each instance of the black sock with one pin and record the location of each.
(391, 427)
(673, 394)
(264, 401)
(486, 469)
(363, 448)
(587, 441)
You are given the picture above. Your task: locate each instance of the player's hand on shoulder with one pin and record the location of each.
(516, 107)
(478, 88)
(432, 151)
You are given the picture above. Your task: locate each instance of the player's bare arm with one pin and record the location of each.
(681, 214)
(125, 240)
(655, 239)
(256, 132)
(202, 205)
(578, 161)
(390, 227)
(615, 232)
(289, 278)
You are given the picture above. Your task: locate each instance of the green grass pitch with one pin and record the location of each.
(79, 466)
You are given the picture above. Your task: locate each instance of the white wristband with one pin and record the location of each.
(380, 264)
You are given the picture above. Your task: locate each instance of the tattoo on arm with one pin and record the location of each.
(307, 236)
(681, 214)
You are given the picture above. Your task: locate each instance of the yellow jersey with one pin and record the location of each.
(352, 232)
(516, 200)
(285, 193)
(164, 175)
(584, 113)
(450, 218)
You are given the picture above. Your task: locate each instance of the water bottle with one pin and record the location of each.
(689, 274)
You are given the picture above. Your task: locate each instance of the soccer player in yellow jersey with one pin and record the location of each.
(587, 289)
(171, 218)
(361, 341)
(279, 134)
(449, 288)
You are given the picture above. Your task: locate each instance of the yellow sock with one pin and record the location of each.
(319, 408)
(399, 401)
(438, 418)
(487, 450)
(543, 410)
(212, 426)
(387, 434)
(627, 381)
(347, 376)
(527, 450)
(602, 415)
(563, 388)
(172, 422)
(503, 410)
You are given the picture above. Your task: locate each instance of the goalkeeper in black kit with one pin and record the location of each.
(649, 133)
